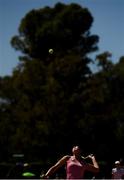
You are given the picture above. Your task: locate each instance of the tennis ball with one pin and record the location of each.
(51, 51)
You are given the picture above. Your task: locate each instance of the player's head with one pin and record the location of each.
(117, 163)
(76, 150)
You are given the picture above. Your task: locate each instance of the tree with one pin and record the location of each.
(104, 62)
(64, 28)
(46, 89)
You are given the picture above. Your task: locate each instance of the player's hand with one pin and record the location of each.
(91, 156)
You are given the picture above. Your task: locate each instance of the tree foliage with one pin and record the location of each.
(63, 28)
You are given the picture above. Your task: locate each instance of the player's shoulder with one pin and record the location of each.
(65, 158)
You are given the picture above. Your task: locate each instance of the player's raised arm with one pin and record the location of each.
(93, 167)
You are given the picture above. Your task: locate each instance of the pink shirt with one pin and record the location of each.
(76, 169)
